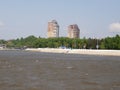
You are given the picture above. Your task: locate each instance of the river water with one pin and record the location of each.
(23, 70)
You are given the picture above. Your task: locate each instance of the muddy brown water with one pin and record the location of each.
(22, 70)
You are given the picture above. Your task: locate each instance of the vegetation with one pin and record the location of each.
(110, 43)
(34, 42)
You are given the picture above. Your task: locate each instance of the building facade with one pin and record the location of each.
(53, 29)
(2, 46)
(73, 31)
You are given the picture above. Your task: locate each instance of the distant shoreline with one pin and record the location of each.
(77, 51)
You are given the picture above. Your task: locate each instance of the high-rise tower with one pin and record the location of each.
(53, 29)
(73, 31)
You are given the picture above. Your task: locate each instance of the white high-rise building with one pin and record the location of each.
(53, 29)
(73, 31)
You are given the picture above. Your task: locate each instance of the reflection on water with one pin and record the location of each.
(21, 70)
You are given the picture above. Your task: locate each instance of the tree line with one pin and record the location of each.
(64, 42)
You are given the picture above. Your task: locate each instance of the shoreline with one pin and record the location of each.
(77, 51)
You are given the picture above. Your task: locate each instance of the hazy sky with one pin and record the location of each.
(95, 18)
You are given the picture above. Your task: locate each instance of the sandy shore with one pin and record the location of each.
(77, 51)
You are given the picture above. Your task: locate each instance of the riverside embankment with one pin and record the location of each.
(77, 51)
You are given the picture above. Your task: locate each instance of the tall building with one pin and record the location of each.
(53, 29)
(73, 31)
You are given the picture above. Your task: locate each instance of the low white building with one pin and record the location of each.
(2, 46)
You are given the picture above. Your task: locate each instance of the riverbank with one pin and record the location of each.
(77, 51)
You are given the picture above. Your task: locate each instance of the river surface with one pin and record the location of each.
(23, 70)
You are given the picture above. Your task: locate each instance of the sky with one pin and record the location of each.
(95, 18)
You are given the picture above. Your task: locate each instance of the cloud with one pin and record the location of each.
(114, 27)
(1, 24)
